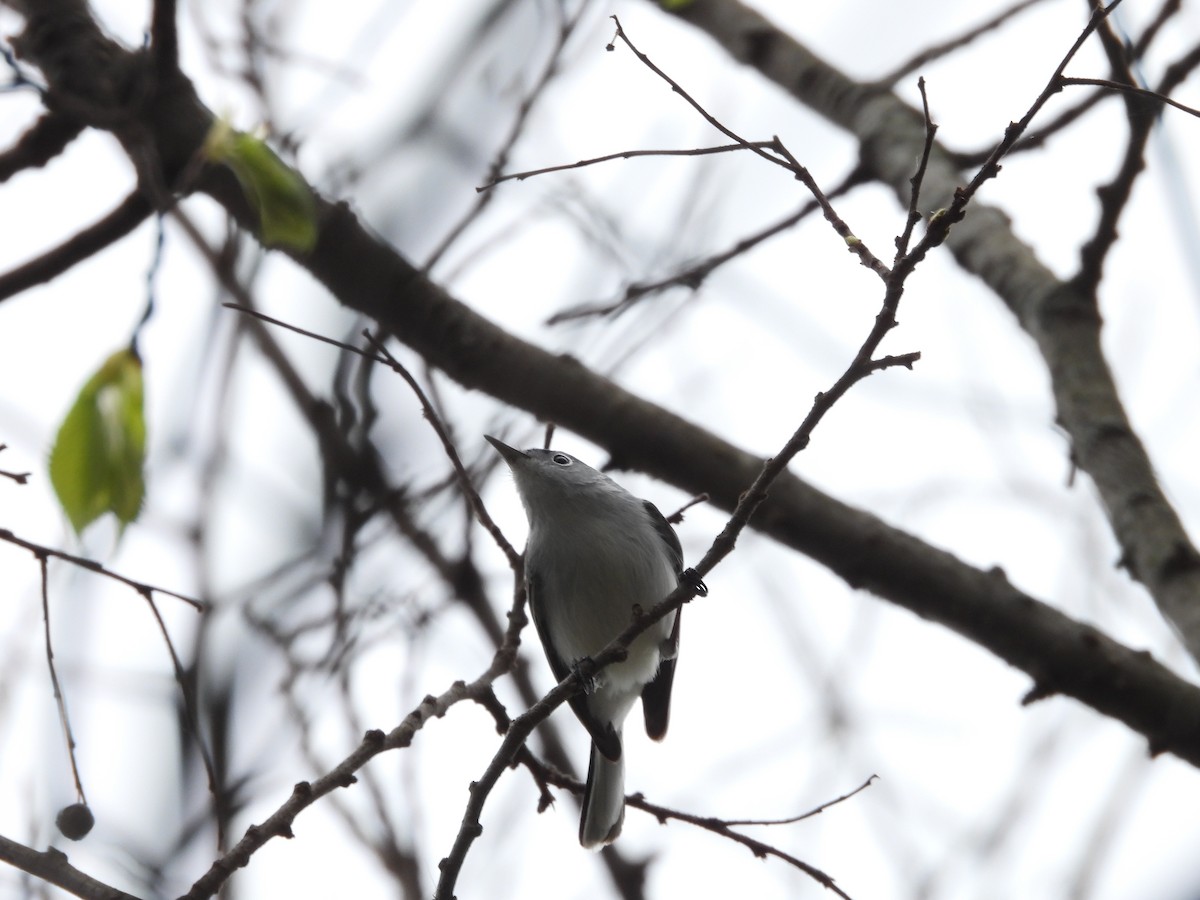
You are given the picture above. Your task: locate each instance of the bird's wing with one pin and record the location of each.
(656, 695)
(667, 534)
(605, 737)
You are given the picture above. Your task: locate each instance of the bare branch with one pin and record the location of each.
(691, 101)
(624, 154)
(991, 166)
(18, 477)
(694, 276)
(164, 37)
(41, 552)
(566, 28)
(464, 479)
(1110, 85)
(88, 242)
(815, 811)
(937, 51)
(780, 157)
(721, 828)
(42, 142)
(382, 356)
(914, 211)
(676, 517)
(64, 718)
(305, 794)
(53, 867)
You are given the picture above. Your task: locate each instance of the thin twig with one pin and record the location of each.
(1037, 137)
(1013, 132)
(18, 477)
(676, 517)
(383, 357)
(63, 717)
(937, 51)
(91, 565)
(781, 157)
(1130, 89)
(760, 849)
(251, 311)
(694, 276)
(91, 240)
(305, 794)
(624, 154)
(524, 109)
(914, 211)
(189, 700)
(815, 811)
(464, 479)
(942, 221)
(753, 146)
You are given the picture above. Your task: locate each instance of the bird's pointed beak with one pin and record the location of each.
(510, 454)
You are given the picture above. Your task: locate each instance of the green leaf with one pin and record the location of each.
(287, 212)
(96, 461)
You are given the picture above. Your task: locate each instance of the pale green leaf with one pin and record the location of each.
(97, 459)
(286, 209)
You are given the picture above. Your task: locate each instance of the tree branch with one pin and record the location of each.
(53, 867)
(164, 37)
(121, 221)
(146, 590)
(42, 142)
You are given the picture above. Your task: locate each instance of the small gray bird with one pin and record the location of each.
(594, 553)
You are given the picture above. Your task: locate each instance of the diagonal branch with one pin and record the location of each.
(693, 276)
(945, 48)
(131, 212)
(43, 141)
(779, 155)
(53, 867)
(305, 794)
(146, 590)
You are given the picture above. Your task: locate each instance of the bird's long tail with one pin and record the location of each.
(603, 801)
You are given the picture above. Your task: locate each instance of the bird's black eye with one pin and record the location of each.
(562, 459)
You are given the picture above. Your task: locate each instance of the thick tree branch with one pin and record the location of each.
(164, 37)
(42, 142)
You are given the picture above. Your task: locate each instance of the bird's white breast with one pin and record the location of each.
(592, 576)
